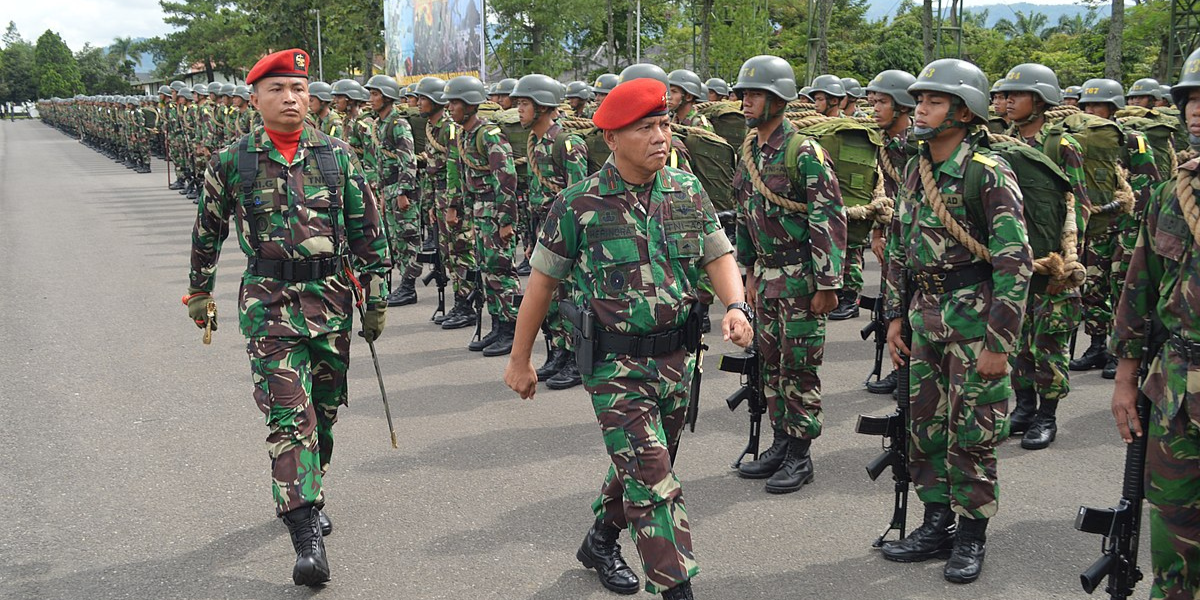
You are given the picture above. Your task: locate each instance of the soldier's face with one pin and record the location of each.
(576, 104)
(1071, 101)
(1020, 105)
(754, 105)
(1162, 103)
(933, 109)
(377, 100)
(713, 97)
(458, 111)
(238, 102)
(505, 102)
(314, 105)
(600, 97)
(1000, 105)
(1100, 109)
(426, 106)
(821, 102)
(526, 111)
(644, 145)
(676, 97)
(1142, 101)
(341, 103)
(1193, 112)
(282, 101)
(885, 109)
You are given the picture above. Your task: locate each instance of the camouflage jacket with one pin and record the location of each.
(397, 163)
(331, 125)
(1143, 173)
(440, 135)
(633, 253)
(1163, 280)
(294, 222)
(486, 172)
(206, 127)
(693, 118)
(559, 172)
(360, 135)
(897, 149)
(815, 239)
(919, 242)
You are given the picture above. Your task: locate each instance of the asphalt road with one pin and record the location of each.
(133, 461)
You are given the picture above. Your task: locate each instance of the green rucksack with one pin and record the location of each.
(1159, 133)
(1103, 145)
(713, 162)
(727, 121)
(418, 130)
(509, 122)
(593, 137)
(853, 147)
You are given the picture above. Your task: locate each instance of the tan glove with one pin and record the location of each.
(196, 301)
(374, 318)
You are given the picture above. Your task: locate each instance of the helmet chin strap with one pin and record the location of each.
(767, 112)
(925, 134)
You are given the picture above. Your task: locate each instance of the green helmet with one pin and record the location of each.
(894, 83)
(341, 87)
(995, 89)
(853, 88)
(410, 90)
(186, 93)
(1103, 90)
(505, 86)
(767, 73)
(466, 88)
(644, 71)
(830, 84)
(321, 91)
(1034, 78)
(1189, 78)
(432, 88)
(177, 85)
(718, 85)
(957, 78)
(386, 86)
(805, 91)
(1145, 87)
(216, 89)
(1072, 91)
(242, 91)
(544, 90)
(227, 89)
(605, 83)
(164, 90)
(575, 89)
(687, 81)
(1166, 91)
(199, 89)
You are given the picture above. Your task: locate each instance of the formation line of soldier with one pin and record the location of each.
(1003, 214)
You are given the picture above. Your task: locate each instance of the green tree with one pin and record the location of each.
(1026, 24)
(17, 82)
(55, 69)
(102, 72)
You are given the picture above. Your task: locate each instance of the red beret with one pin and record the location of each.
(285, 63)
(631, 101)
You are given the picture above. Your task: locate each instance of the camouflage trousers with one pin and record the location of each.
(857, 241)
(556, 326)
(1126, 234)
(1041, 362)
(456, 244)
(956, 416)
(1100, 291)
(1173, 491)
(404, 232)
(640, 405)
(791, 347)
(299, 383)
(494, 257)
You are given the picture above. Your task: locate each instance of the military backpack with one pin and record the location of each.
(1104, 152)
(1159, 130)
(854, 148)
(727, 121)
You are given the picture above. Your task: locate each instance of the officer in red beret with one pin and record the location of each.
(631, 241)
(284, 185)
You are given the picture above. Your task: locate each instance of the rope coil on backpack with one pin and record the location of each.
(431, 139)
(1123, 198)
(1186, 186)
(756, 178)
(1061, 112)
(466, 158)
(880, 209)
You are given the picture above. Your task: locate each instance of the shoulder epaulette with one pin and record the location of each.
(984, 160)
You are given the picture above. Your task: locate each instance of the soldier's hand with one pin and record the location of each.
(197, 306)
(506, 232)
(452, 217)
(824, 301)
(520, 376)
(735, 327)
(402, 202)
(896, 346)
(374, 319)
(1124, 403)
(751, 288)
(992, 365)
(877, 244)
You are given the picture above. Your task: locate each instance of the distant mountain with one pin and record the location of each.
(887, 8)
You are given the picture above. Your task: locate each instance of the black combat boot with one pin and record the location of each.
(847, 307)
(567, 377)
(555, 359)
(504, 340)
(187, 186)
(796, 470)
(1110, 368)
(430, 243)
(886, 385)
(1023, 415)
(1094, 357)
(194, 191)
(970, 546)
(768, 461)
(524, 268)
(460, 303)
(466, 316)
(405, 294)
(177, 185)
(933, 539)
(682, 591)
(485, 341)
(601, 551)
(1044, 429)
(326, 524)
(312, 566)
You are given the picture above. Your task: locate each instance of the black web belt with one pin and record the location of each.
(1187, 349)
(941, 282)
(654, 344)
(294, 270)
(782, 258)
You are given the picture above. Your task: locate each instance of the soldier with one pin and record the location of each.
(1162, 285)
(504, 87)
(578, 95)
(296, 312)
(685, 93)
(410, 95)
(718, 89)
(854, 92)
(1052, 311)
(965, 313)
(998, 120)
(320, 117)
(893, 107)
(604, 84)
(245, 117)
(487, 181)
(1071, 95)
(202, 132)
(605, 235)
(791, 238)
(1164, 100)
(827, 93)
(554, 165)
(1111, 236)
(1144, 93)
(397, 177)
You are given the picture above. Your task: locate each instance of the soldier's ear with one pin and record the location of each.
(610, 138)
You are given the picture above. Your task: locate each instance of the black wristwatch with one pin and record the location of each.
(745, 308)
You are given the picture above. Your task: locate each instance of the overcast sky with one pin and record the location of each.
(82, 21)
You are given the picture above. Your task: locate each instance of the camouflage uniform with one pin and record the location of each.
(955, 412)
(299, 332)
(457, 243)
(574, 164)
(398, 172)
(488, 186)
(1164, 280)
(693, 118)
(793, 256)
(607, 238)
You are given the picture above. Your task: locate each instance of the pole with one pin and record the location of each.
(483, 41)
(639, 31)
(320, 51)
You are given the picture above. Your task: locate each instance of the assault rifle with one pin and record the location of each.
(893, 427)
(878, 328)
(1121, 525)
(746, 364)
(437, 273)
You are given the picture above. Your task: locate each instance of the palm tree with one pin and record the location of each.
(124, 53)
(1026, 24)
(1072, 25)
